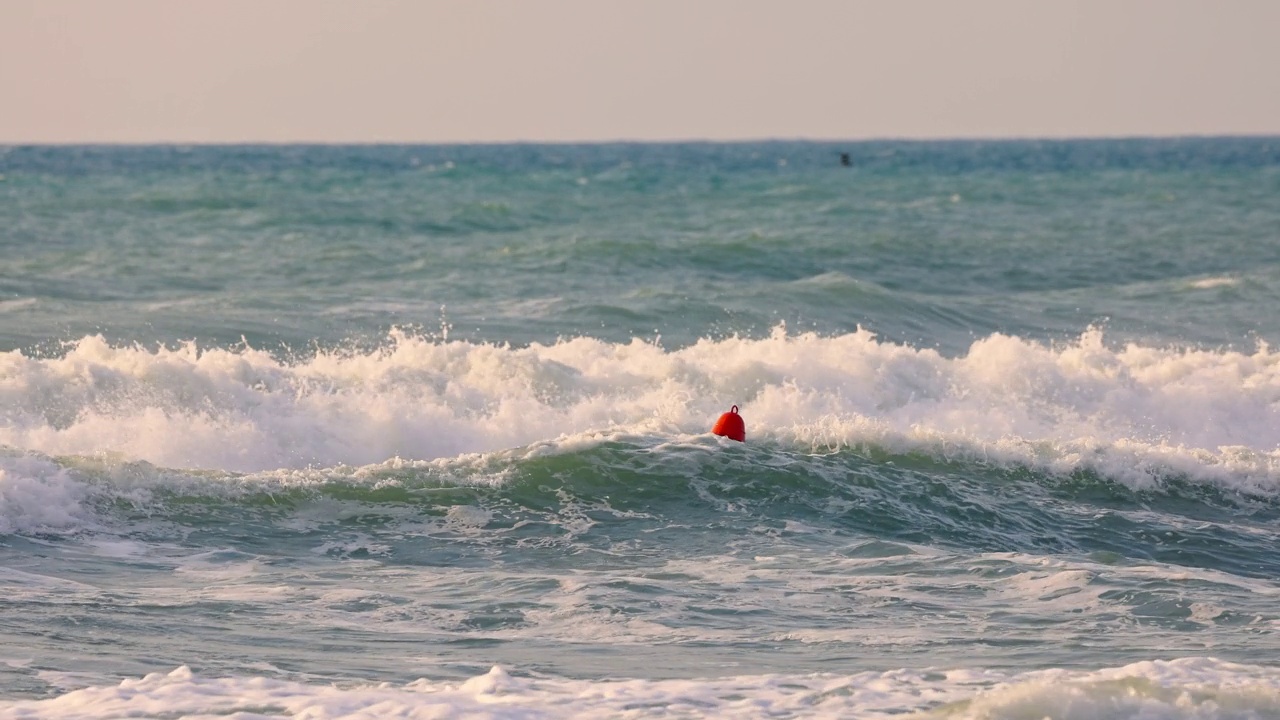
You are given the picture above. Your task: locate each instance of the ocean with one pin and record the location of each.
(423, 431)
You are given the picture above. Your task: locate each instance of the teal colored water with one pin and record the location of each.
(357, 431)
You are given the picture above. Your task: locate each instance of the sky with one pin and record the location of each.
(446, 71)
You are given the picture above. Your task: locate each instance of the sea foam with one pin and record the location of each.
(1190, 688)
(1134, 413)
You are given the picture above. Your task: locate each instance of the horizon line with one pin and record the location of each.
(634, 141)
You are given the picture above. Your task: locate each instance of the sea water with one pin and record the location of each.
(422, 431)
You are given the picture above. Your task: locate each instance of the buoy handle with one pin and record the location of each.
(733, 409)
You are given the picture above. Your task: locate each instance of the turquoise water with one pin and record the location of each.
(358, 431)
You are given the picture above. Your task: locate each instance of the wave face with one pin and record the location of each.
(370, 431)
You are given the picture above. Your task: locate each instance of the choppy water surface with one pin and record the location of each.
(375, 431)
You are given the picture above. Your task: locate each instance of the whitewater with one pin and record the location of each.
(422, 431)
(1133, 414)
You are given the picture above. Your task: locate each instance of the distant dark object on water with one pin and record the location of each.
(845, 160)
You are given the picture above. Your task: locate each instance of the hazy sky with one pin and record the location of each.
(557, 70)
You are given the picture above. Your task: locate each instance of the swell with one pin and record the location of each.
(692, 494)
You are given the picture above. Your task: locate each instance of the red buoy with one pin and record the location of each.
(730, 425)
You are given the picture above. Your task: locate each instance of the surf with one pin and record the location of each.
(1132, 412)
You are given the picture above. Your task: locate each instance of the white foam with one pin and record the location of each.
(37, 495)
(8, 306)
(1190, 688)
(1213, 282)
(1134, 413)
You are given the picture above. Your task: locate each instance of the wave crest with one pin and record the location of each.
(1132, 412)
